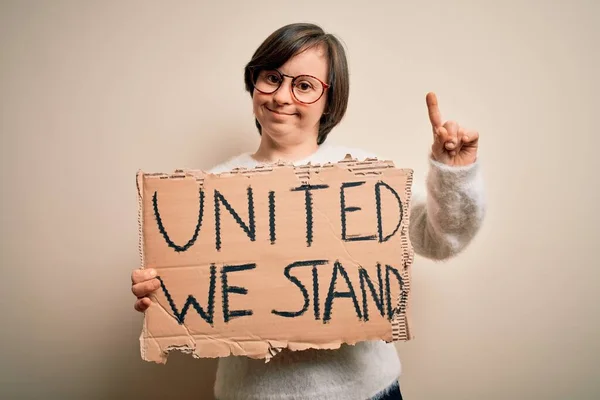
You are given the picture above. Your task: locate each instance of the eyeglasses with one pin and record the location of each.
(305, 88)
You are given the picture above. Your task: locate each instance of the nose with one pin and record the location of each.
(283, 95)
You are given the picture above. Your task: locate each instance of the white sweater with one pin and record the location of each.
(444, 219)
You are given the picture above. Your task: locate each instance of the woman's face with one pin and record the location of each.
(280, 115)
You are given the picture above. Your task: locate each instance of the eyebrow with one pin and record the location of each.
(304, 73)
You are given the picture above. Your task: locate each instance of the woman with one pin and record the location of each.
(298, 81)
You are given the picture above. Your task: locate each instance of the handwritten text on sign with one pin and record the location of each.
(269, 256)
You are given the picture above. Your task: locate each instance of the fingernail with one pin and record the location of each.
(152, 273)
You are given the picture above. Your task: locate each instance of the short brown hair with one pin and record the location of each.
(290, 40)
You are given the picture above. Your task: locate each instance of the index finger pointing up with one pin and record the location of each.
(434, 112)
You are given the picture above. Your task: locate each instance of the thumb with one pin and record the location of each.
(440, 137)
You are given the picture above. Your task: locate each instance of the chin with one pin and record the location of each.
(277, 130)
(276, 134)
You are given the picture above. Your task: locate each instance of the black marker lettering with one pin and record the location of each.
(333, 293)
(163, 231)
(191, 300)
(300, 285)
(272, 216)
(315, 276)
(364, 277)
(345, 210)
(230, 314)
(250, 229)
(308, 208)
(378, 204)
(393, 270)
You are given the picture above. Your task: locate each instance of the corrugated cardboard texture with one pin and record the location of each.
(254, 261)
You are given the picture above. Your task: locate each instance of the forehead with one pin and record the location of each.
(312, 61)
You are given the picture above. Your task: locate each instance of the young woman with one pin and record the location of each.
(298, 81)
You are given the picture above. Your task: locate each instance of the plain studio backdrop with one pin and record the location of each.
(90, 92)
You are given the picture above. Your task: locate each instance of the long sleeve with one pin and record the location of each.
(446, 216)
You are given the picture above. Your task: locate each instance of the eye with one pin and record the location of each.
(305, 86)
(272, 77)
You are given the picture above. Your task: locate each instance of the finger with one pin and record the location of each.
(450, 139)
(455, 145)
(142, 304)
(435, 117)
(441, 135)
(440, 138)
(145, 288)
(460, 136)
(141, 275)
(471, 137)
(451, 136)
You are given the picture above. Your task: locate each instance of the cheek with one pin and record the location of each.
(258, 100)
(255, 105)
(313, 112)
(255, 101)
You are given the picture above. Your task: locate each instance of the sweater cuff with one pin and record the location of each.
(451, 178)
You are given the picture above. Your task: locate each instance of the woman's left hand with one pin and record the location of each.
(452, 144)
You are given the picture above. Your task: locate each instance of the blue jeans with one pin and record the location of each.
(391, 393)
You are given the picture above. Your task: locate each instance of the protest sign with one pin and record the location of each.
(253, 261)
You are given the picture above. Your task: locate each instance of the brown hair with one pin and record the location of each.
(290, 40)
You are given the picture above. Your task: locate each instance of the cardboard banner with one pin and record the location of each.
(253, 261)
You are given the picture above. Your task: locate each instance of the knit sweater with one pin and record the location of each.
(446, 213)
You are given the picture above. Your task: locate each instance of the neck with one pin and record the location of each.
(271, 151)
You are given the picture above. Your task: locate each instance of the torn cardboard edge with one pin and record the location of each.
(197, 345)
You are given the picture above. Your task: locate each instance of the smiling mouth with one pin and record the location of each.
(278, 113)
